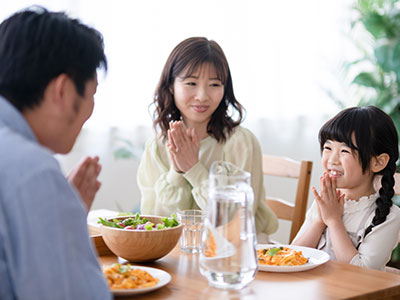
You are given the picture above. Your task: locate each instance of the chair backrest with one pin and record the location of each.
(286, 167)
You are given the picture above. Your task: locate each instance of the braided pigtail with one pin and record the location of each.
(384, 201)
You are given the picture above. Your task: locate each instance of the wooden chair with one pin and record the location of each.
(286, 167)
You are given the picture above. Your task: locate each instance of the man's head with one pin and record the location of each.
(36, 46)
(48, 72)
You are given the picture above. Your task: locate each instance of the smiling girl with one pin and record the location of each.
(349, 219)
(197, 117)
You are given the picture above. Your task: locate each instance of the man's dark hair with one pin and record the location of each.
(37, 45)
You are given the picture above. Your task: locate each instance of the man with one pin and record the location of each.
(48, 79)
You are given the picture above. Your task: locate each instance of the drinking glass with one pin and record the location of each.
(228, 258)
(192, 220)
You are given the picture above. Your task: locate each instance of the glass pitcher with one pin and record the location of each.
(228, 258)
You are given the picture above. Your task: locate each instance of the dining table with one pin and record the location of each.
(331, 280)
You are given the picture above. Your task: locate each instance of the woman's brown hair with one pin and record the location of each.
(188, 56)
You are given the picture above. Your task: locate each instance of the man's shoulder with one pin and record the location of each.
(19, 156)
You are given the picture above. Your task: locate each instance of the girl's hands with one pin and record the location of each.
(84, 178)
(331, 204)
(330, 201)
(183, 146)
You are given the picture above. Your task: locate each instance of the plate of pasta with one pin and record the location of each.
(288, 258)
(126, 279)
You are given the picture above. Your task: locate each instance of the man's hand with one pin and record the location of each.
(84, 178)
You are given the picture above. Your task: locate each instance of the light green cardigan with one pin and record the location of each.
(164, 191)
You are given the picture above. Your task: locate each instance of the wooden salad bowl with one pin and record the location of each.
(141, 245)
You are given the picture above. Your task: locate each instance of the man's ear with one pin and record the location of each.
(60, 90)
(54, 96)
(378, 163)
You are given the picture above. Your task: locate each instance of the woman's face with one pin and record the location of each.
(198, 96)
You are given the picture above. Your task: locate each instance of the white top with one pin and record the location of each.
(376, 249)
(164, 191)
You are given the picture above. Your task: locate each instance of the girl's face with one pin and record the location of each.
(342, 163)
(198, 95)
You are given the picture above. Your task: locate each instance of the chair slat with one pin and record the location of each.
(280, 166)
(287, 167)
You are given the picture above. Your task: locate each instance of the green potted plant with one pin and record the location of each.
(375, 75)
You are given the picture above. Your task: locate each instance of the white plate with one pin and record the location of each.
(315, 259)
(163, 279)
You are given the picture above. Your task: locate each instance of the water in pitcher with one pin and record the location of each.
(228, 258)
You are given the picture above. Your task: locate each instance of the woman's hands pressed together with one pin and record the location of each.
(183, 146)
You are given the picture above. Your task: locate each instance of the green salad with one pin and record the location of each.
(140, 223)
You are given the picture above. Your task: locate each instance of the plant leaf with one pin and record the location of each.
(383, 56)
(396, 59)
(366, 79)
(375, 24)
(390, 104)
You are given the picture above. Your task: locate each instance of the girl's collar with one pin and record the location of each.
(363, 198)
(364, 202)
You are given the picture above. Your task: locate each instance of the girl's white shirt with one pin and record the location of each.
(376, 248)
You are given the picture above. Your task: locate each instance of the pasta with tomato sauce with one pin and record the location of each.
(280, 256)
(124, 277)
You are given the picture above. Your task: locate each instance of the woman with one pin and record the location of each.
(198, 118)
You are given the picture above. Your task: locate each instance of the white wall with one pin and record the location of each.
(282, 54)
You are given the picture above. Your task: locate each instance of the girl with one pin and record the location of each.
(349, 219)
(195, 110)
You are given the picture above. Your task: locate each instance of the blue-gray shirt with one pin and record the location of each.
(45, 251)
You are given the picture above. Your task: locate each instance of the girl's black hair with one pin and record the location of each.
(186, 57)
(374, 133)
